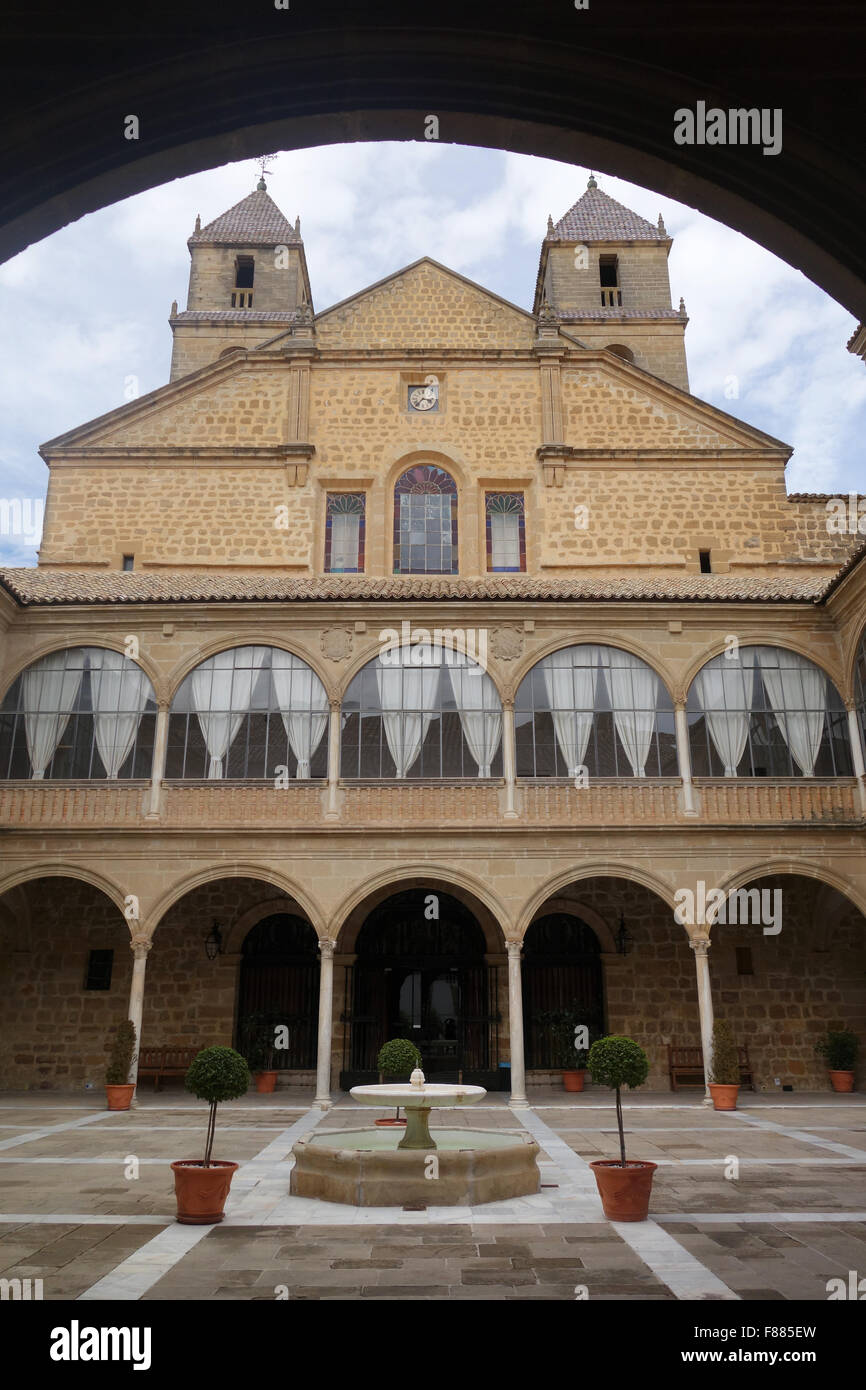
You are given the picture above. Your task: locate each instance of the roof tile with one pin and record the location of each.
(598, 217)
(254, 221)
(34, 586)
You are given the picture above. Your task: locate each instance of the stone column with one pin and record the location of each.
(701, 945)
(684, 759)
(140, 946)
(326, 1001)
(332, 810)
(857, 756)
(518, 1099)
(160, 745)
(508, 760)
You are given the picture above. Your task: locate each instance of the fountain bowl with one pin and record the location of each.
(366, 1168)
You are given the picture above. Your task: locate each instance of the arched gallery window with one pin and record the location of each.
(247, 713)
(425, 522)
(422, 711)
(767, 712)
(85, 712)
(597, 708)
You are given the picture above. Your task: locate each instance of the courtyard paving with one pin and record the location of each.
(766, 1203)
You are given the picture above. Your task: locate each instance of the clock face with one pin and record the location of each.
(423, 397)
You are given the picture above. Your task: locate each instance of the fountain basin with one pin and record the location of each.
(365, 1168)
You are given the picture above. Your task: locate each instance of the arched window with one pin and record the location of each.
(247, 713)
(621, 351)
(85, 712)
(594, 708)
(422, 711)
(425, 522)
(767, 712)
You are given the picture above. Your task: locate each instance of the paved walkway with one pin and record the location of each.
(768, 1202)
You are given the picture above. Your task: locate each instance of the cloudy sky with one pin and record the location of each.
(84, 312)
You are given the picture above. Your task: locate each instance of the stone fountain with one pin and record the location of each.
(460, 1167)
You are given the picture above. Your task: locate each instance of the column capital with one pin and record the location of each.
(514, 949)
(700, 944)
(140, 945)
(327, 947)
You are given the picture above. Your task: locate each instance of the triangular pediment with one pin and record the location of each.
(232, 401)
(425, 305)
(608, 404)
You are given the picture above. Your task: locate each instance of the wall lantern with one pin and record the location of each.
(213, 942)
(624, 940)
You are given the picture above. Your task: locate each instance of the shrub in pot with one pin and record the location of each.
(724, 1079)
(118, 1087)
(259, 1050)
(202, 1185)
(560, 1025)
(398, 1058)
(624, 1185)
(839, 1049)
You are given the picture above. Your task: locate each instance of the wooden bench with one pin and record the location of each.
(689, 1061)
(165, 1061)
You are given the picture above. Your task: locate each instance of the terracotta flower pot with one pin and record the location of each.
(724, 1097)
(389, 1123)
(266, 1081)
(201, 1192)
(842, 1080)
(573, 1080)
(119, 1097)
(625, 1192)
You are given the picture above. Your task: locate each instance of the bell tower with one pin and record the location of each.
(604, 272)
(247, 280)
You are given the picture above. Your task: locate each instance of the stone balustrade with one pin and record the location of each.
(650, 801)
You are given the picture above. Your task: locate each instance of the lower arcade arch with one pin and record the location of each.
(421, 971)
(562, 988)
(278, 988)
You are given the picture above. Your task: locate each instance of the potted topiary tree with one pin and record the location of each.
(624, 1185)
(839, 1048)
(724, 1069)
(258, 1034)
(202, 1185)
(118, 1087)
(561, 1025)
(397, 1058)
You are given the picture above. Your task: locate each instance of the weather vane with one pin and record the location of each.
(262, 160)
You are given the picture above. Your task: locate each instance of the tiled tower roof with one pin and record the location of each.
(254, 221)
(598, 217)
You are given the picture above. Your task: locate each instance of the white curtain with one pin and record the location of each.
(408, 684)
(479, 708)
(798, 694)
(724, 689)
(303, 706)
(50, 692)
(221, 696)
(632, 687)
(120, 691)
(571, 695)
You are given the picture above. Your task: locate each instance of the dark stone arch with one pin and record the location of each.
(211, 85)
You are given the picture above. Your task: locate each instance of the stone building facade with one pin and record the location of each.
(405, 666)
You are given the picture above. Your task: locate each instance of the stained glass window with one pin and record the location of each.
(425, 522)
(505, 532)
(344, 533)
